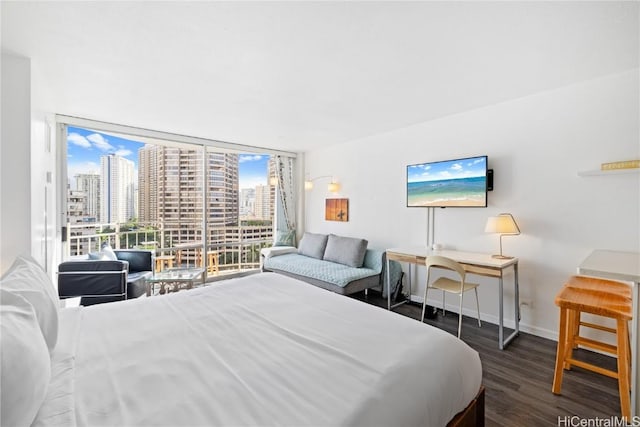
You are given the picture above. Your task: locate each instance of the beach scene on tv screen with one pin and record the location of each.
(461, 182)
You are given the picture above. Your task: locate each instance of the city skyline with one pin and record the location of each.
(85, 147)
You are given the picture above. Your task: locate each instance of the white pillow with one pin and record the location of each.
(108, 253)
(97, 256)
(27, 279)
(25, 365)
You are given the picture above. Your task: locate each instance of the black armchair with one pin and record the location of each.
(140, 267)
(100, 281)
(95, 281)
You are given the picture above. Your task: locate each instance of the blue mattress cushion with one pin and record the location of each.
(327, 271)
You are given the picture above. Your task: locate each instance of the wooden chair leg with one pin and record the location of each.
(576, 327)
(623, 368)
(562, 340)
(573, 330)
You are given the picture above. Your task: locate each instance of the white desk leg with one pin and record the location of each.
(502, 341)
(501, 314)
(410, 280)
(388, 274)
(516, 293)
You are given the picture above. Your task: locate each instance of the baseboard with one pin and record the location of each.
(494, 320)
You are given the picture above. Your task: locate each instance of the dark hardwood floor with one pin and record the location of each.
(518, 379)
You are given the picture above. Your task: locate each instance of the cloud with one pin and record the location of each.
(123, 152)
(100, 142)
(249, 158)
(79, 140)
(456, 167)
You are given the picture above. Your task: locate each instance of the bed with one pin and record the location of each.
(264, 350)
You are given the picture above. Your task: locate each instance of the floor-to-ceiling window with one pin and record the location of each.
(192, 204)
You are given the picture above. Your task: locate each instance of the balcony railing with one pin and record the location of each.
(228, 249)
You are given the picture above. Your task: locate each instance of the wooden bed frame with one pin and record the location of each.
(472, 415)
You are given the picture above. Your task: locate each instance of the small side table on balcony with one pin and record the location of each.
(174, 280)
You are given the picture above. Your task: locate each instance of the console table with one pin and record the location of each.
(473, 263)
(619, 265)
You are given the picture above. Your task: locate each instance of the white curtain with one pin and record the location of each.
(285, 169)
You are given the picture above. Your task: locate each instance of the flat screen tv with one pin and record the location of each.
(448, 183)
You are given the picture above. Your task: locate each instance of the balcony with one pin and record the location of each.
(228, 249)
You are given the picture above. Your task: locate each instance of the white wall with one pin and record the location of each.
(15, 150)
(27, 175)
(536, 145)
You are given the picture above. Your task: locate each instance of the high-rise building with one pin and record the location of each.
(171, 195)
(89, 184)
(263, 206)
(272, 178)
(247, 202)
(76, 202)
(147, 183)
(116, 189)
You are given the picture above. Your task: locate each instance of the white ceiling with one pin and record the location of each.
(301, 75)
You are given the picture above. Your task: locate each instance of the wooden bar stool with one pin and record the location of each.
(592, 284)
(586, 296)
(601, 285)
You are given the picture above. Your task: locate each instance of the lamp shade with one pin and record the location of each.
(502, 224)
(333, 186)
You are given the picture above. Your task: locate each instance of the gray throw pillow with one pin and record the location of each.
(345, 250)
(312, 245)
(285, 238)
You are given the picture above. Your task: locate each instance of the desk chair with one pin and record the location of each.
(449, 285)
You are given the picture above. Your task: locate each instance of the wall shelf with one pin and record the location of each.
(599, 172)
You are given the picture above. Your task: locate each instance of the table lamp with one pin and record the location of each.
(503, 224)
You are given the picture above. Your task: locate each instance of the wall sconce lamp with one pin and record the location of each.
(505, 225)
(333, 186)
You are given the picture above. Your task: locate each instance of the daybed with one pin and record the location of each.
(258, 350)
(340, 264)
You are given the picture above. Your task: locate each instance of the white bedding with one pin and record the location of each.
(260, 350)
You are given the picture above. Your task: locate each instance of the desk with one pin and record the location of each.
(617, 265)
(473, 263)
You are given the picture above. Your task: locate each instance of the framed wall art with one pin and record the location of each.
(336, 210)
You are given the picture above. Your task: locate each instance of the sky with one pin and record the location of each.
(448, 169)
(85, 147)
